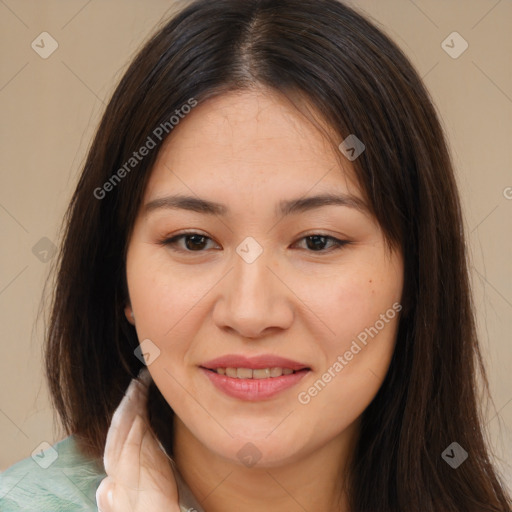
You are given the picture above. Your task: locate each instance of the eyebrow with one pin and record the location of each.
(284, 207)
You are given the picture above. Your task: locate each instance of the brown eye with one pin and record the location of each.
(197, 242)
(193, 242)
(317, 242)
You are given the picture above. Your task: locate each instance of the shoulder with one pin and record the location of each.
(59, 478)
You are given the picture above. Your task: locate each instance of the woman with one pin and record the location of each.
(268, 220)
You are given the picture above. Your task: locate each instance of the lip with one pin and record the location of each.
(255, 362)
(253, 390)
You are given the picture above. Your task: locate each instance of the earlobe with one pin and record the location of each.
(129, 314)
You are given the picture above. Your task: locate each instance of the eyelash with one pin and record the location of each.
(338, 244)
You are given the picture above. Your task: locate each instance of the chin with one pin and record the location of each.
(256, 453)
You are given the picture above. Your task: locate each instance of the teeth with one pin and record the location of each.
(244, 373)
(230, 372)
(264, 373)
(249, 373)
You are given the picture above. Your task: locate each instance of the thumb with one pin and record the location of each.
(105, 495)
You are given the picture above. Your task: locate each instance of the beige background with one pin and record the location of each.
(50, 108)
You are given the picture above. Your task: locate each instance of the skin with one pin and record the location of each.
(249, 150)
(139, 476)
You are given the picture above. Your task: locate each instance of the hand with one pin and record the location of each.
(139, 474)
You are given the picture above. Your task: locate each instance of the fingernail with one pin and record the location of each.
(144, 376)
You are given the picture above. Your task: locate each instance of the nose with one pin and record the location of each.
(254, 301)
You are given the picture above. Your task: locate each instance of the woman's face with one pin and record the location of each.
(260, 277)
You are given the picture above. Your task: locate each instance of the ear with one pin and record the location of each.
(129, 314)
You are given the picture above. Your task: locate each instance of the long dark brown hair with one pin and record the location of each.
(323, 54)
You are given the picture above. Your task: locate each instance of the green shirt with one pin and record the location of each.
(61, 479)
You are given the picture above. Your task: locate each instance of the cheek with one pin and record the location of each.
(362, 308)
(158, 297)
(352, 300)
(341, 391)
(150, 294)
(164, 301)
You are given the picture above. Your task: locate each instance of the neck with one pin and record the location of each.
(313, 482)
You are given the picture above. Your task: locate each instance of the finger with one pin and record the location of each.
(104, 495)
(129, 457)
(155, 478)
(132, 404)
(132, 401)
(144, 376)
(140, 396)
(119, 428)
(156, 467)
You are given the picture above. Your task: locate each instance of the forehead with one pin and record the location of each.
(249, 141)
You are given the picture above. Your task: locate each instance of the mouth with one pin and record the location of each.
(253, 379)
(254, 373)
